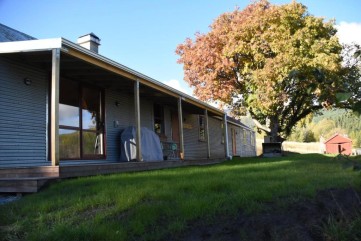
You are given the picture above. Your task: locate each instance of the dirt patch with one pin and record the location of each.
(300, 221)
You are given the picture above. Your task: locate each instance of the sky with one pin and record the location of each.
(143, 34)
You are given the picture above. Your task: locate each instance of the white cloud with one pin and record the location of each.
(349, 32)
(176, 85)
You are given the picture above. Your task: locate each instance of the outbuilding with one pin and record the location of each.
(338, 144)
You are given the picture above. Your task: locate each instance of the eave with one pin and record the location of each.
(77, 51)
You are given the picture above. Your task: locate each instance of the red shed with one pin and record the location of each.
(338, 144)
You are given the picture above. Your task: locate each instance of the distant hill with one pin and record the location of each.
(329, 114)
(326, 124)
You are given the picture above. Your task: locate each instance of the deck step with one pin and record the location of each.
(19, 172)
(26, 179)
(23, 184)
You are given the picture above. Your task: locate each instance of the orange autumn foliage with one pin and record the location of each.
(277, 62)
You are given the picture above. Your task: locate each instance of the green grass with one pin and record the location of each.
(154, 205)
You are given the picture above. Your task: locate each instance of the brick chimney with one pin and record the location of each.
(89, 41)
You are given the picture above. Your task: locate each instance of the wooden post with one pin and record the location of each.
(137, 122)
(225, 136)
(207, 133)
(180, 120)
(54, 104)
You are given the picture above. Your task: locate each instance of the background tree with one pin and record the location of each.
(279, 63)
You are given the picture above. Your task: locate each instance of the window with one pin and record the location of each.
(244, 137)
(81, 130)
(252, 139)
(158, 119)
(222, 129)
(202, 128)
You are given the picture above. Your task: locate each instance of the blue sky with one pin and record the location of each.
(143, 34)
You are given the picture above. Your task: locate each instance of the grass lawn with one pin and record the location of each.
(159, 205)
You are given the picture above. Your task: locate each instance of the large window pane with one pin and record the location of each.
(68, 115)
(91, 109)
(69, 103)
(92, 143)
(69, 144)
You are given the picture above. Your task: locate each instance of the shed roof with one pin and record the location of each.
(8, 34)
(238, 122)
(338, 139)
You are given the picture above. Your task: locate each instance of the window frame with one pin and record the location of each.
(222, 134)
(244, 137)
(80, 128)
(202, 135)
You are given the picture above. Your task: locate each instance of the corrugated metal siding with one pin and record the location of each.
(244, 147)
(252, 147)
(124, 115)
(23, 115)
(229, 139)
(248, 148)
(215, 138)
(146, 113)
(193, 148)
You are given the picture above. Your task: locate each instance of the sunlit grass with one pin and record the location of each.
(154, 205)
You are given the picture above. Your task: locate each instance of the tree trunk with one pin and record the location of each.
(274, 127)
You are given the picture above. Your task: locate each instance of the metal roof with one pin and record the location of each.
(238, 122)
(8, 34)
(342, 139)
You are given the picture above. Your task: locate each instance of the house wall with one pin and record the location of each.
(124, 115)
(193, 148)
(215, 138)
(167, 123)
(245, 147)
(248, 144)
(23, 115)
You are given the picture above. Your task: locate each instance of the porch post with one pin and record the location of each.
(180, 120)
(54, 119)
(137, 122)
(207, 133)
(225, 136)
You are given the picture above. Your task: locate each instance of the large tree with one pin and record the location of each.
(277, 62)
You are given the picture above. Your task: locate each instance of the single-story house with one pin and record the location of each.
(338, 144)
(64, 105)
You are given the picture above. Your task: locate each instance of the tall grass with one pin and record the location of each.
(156, 205)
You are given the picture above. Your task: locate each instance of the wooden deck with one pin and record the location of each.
(26, 179)
(31, 179)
